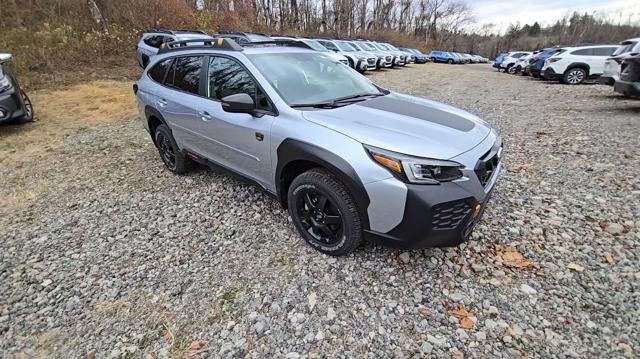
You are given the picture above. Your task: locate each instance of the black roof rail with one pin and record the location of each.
(173, 32)
(224, 32)
(278, 42)
(220, 43)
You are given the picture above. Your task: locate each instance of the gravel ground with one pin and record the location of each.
(112, 256)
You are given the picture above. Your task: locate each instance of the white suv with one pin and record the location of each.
(612, 67)
(577, 64)
(511, 59)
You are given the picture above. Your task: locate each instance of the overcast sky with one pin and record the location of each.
(504, 12)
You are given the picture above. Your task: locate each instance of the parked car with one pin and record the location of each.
(441, 56)
(577, 64)
(387, 55)
(403, 59)
(611, 72)
(357, 61)
(243, 37)
(459, 58)
(314, 45)
(15, 105)
(414, 174)
(523, 64)
(629, 82)
(420, 57)
(382, 59)
(498, 61)
(509, 61)
(411, 56)
(153, 39)
(537, 61)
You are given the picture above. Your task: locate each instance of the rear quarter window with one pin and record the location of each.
(604, 51)
(583, 52)
(158, 71)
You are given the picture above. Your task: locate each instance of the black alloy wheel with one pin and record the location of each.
(174, 159)
(319, 217)
(167, 153)
(28, 108)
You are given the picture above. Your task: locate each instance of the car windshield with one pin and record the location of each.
(315, 45)
(345, 47)
(308, 78)
(356, 46)
(390, 46)
(367, 46)
(381, 47)
(258, 37)
(623, 48)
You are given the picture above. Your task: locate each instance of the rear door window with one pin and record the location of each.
(583, 52)
(185, 74)
(604, 51)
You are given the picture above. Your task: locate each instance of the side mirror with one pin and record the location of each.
(5, 57)
(238, 103)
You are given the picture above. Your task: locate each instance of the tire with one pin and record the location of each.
(510, 69)
(28, 107)
(170, 154)
(450, 61)
(433, 59)
(324, 212)
(574, 76)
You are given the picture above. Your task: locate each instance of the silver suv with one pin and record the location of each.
(349, 159)
(153, 40)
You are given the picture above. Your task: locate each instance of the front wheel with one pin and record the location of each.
(574, 76)
(28, 108)
(450, 61)
(324, 212)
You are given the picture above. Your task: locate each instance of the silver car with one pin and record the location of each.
(153, 40)
(350, 160)
(358, 61)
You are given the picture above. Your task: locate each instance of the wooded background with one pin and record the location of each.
(54, 34)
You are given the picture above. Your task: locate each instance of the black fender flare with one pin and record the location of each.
(152, 112)
(581, 65)
(291, 150)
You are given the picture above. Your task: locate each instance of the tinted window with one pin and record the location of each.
(604, 51)
(185, 74)
(157, 40)
(158, 71)
(328, 45)
(583, 52)
(228, 77)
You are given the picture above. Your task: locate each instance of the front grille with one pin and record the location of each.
(449, 215)
(389, 58)
(371, 61)
(487, 166)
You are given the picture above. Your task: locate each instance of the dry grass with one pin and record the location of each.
(58, 113)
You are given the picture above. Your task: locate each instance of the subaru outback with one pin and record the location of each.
(350, 160)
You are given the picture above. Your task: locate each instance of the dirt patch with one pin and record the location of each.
(60, 111)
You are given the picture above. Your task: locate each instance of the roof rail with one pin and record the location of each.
(224, 32)
(173, 32)
(278, 42)
(220, 43)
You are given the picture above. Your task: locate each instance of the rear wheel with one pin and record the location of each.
(324, 212)
(433, 59)
(449, 61)
(170, 153)
(574, 76)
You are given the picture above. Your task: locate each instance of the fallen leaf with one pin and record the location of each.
(154, 355)
(195, 345)
(457, 355)
(462, 312)
(426, 312)
(91, 355)
(542, 134)
(575, 267)
(609, 258)
(511, 257)
(466, 323)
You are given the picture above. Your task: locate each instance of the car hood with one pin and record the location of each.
(406, 124)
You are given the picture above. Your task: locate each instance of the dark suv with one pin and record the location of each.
(14, 102)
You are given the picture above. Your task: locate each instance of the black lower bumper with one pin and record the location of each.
(434, 217)
(550, 74)
(606, 80)
(627, 88)
(11, 106)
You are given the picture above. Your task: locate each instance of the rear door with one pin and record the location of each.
(599, 57)
(180, 98)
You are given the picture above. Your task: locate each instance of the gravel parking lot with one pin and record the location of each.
(104, 252)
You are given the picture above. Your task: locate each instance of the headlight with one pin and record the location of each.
(415, 169)
(4, 83)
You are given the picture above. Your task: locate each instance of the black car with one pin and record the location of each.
(14, 102)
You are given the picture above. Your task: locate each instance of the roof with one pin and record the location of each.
(219, 44)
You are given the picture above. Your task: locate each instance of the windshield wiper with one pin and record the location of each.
(358, 97)
(339, 102)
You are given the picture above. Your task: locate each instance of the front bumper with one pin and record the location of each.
(550, 74)
(444, 215)
(11, 105)
(627, 88)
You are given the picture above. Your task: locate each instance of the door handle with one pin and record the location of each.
(205, 116)
(162, 103)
